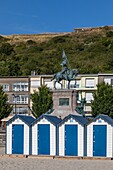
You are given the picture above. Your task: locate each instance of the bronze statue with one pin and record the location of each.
(80, 109)
(66, 73)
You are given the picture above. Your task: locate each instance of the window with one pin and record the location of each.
(73, 84)
(108, 81)
(20, 110)
(87, 109)
(21, 99)
(77, 83)
(89, 97)
(90, 83)
(5, 87)
(21, 86)
(35, 83)
(49, 84)
(63, 101)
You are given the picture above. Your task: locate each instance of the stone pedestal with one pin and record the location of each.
(61, 110)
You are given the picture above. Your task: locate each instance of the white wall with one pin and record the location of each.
(90, 138)
(62, 138)
(9, 137)
(52, 137)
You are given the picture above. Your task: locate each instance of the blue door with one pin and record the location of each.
(44, 139)
(17, 139)
(71, 140)
(99, 140)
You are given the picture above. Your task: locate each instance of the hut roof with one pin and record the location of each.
(53, 119)
(25, 118)
(106, 118)
(78, 118)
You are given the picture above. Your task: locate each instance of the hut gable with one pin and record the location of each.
(101, 118)
(48, 118)
(21, 118)
(74, 118)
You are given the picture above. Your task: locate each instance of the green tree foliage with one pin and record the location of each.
(42, 101)
(103, 100)
(13, 69)
(6, 49)
(5, 108)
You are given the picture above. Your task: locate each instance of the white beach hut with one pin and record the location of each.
(100, 137)
(18, 135)
(44, 135)
(72, 136)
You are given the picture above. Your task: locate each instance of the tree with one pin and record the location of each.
(5, 108)
(42, 101)
(103, 100)
(14, 69)
(6, 49)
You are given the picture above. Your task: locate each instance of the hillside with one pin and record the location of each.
(38, 38)
(88, 49)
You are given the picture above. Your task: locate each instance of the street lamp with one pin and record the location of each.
(15, 96)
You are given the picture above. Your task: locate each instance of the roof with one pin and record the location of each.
(53, 119)
(25, 118)
(106, 118)
(6, 119)
(78, 118)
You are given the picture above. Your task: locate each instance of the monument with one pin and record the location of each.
(80, 108)
(64, 99)
(65, 74)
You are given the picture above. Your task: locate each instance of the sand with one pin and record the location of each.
(52, 164)
(48, 164)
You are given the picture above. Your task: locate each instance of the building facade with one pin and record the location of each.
(85, 86)
(18, 90)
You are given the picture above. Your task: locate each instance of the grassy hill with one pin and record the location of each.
(89, 49)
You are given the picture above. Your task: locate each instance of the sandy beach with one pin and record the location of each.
(52, 164)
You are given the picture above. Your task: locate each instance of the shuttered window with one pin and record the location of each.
(35, 83)
(89, 97)
(90, 83)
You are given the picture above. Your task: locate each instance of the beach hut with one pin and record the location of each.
(44, 135)
(72, 136)
(18, 135)
(100, 137)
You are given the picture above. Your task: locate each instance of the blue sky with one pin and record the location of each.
(42, 16)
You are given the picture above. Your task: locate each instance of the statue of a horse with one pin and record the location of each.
(69, 75)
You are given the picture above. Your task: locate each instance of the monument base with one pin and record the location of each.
(64, 102)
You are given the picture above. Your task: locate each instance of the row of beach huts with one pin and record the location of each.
(50, 135)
